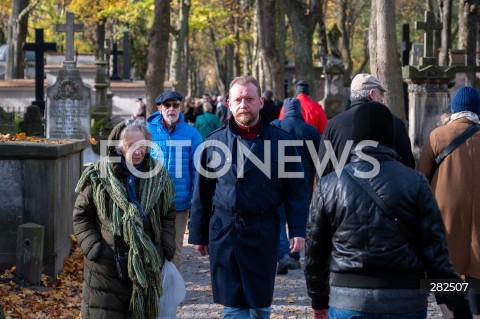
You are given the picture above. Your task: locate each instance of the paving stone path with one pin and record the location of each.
(290, 299)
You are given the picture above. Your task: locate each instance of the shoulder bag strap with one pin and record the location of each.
(385, 209)
(457, 142)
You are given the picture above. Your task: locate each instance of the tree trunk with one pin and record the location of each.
(345, 43)
(178, 65)
(157, 54)
(372, 38)
(303, 19)
(281, 36)
(445, 7)
(220, 66)
(17, 34)
(271, 72)
(366, 55)
(387, 64)
(468, 26)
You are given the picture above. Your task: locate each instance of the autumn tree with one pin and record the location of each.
(468, 16)
(268, 68)
(157, 53)
(445, 12)
(385, 64)
(303, 17)
(17, 34)
(178, 62)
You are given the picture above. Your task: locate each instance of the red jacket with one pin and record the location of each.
(312, 112)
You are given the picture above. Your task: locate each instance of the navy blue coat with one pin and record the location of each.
(237, 216)
(294, 123)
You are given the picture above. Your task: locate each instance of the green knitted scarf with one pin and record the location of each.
(144, 264)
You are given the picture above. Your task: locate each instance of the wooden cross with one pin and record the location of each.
(429, 26)
(69, 28)
(39, 47)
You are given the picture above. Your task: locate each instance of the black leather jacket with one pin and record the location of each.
(349, 237)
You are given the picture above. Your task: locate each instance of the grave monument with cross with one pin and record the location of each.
(102, 113)
(428, 84)
(68, 100)
(39, 47)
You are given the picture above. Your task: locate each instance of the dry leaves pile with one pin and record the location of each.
(22, 137)
(54, 298)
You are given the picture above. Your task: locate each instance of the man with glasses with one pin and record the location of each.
(364, 88)
(176, 143)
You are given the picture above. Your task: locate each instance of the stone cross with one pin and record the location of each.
(69, 28)
(115, 53)
(126, 56)
(429, 26)
(39, 47)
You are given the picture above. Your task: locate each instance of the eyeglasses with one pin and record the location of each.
(169, 105)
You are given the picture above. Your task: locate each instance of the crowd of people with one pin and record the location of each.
(377, 229)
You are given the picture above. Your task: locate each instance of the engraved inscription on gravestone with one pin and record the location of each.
(68, 112)
(68, 100)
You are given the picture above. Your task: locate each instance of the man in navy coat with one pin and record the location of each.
(247, 169)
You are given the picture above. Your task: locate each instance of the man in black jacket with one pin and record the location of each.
(364, 88)
(374, 233)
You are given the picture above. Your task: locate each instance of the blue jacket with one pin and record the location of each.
(237, 215)
(294, 124)
(185, 138)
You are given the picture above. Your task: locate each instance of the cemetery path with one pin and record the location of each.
(61, 297)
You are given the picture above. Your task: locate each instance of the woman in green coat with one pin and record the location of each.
(207, 122)
(124, 221)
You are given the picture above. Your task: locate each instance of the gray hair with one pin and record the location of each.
(359, 95)
(207, 107)
(138, 124)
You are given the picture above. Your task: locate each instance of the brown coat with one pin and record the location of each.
(456, 185)
(104, 295)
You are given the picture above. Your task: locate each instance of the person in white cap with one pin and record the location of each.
(364, 88)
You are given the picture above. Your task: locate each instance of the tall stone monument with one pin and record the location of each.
(102, 112)
(68, 100)
(333, 101)
(428, 85)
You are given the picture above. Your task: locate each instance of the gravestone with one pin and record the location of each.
(7, 124)
(30, 238)
(68, 100)
(126, 76)
(32, 121)
(416, 53)
(39, 47)
(428, 84)
(40, 189)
